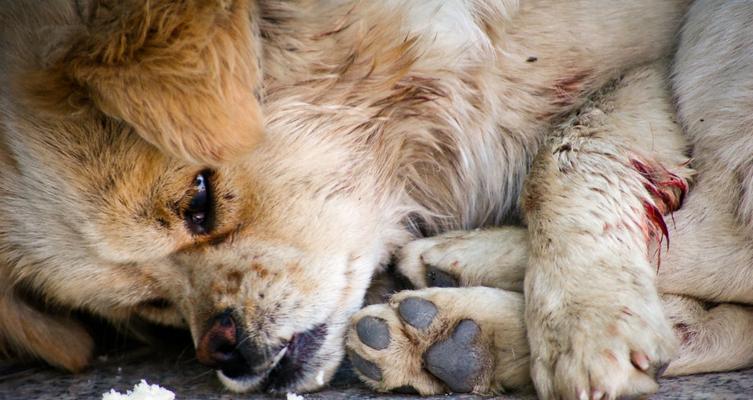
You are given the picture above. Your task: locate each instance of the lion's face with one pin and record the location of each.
(268, 295)
(132, 190)
(264, 260)
(269, 303)
(270, 276)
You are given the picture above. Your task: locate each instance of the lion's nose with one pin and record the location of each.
(217, 348)
(225, 346)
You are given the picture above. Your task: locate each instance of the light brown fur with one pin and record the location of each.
(183, 74)
(383, 122)
(89, 208)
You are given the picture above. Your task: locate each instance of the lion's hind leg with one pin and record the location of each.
(28, 332)
(713, 337)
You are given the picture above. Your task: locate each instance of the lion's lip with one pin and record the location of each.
(300, 350)
(287, 366)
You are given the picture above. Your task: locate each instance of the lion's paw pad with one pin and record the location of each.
(419, 313)
(373, 332)
(455, 360)
(365, 367)
(436, 277)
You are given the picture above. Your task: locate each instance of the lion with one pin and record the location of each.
(243, 168)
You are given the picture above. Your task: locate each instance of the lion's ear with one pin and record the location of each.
(183, 73)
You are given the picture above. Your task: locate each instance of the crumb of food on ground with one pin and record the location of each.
(142, 391)
(293, 396)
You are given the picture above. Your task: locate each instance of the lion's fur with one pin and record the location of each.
(178, 72)
(382, 121)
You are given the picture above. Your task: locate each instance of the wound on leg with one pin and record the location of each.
(667, 191)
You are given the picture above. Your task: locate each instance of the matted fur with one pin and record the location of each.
(383, 121)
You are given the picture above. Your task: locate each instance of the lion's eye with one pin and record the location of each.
(198, 214)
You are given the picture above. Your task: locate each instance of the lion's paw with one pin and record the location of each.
(594, 356)
(442, 340)
(492, 258)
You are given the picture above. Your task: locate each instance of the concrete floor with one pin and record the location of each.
(177, 370)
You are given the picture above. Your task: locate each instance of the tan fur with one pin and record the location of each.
(182, 73)
(383, 121)
(90, 210)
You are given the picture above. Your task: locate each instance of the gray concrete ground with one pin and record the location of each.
(178, 371)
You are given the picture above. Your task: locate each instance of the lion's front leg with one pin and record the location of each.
(491, 257)
(595, 198)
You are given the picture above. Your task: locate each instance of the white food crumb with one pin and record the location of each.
(293, 396)
(142, 391)
(320, 377)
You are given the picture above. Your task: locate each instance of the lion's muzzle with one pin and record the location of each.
(244, 364)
